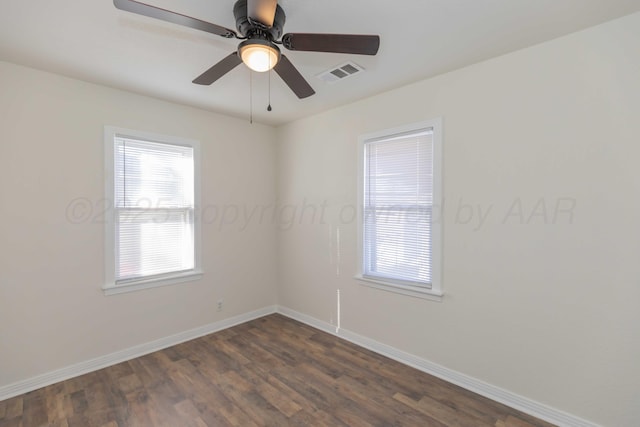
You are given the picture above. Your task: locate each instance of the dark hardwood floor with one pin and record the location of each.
(272, 371)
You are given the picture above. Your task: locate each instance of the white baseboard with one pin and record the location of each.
(498, 394)
(482, 388)
(81, 368)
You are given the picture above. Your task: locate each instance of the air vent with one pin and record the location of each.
(340, 72)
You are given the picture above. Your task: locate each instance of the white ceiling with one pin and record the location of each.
(93, 41)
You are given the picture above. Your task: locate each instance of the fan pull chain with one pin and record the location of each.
(250, 97)
(270, 68)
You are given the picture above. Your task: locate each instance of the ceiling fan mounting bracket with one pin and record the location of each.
(286, 42)
(248, 28)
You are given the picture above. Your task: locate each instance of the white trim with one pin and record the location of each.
(100, 362)
(513, 400)
(152, 283)
(308, 320)
(412, 291)
(110, 287)
(436, 291)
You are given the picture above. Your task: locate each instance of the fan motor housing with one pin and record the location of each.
(247, 28)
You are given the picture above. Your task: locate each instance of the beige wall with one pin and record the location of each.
(542, 305)
(52, 311)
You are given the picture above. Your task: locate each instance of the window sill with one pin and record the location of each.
(412, 291)
(139, 285)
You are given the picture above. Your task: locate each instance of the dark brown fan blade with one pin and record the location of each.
(219, 70)
(293, 78)
(262, 11)
(173, 17)
(337, 43)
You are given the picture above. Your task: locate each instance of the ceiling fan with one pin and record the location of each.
(259, 24)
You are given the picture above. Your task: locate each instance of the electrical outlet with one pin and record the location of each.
(220, 304)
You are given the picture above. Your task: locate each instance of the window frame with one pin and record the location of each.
(435, 292)
(111, 287)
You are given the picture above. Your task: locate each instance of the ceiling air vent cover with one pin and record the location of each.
(341, 72)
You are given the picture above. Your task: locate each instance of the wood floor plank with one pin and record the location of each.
(398, 413)
(304, 419)
(190, 415)
(58, 404)
(342, 405)
(195, 386)
(271, 371)
(11, 422)
(115, 395)
(79, 402)
(35, 409)
(251, 352)
(272, 394)
(244, 396)
(139, 407)
(14, 407)
(449, 416)
(309, 408)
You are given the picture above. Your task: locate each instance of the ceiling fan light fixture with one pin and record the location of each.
(258, 54)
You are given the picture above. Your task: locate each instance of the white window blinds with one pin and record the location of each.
(154, 209)
(398, 204)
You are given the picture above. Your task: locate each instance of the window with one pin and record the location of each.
(400, 215)
(152, 230)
